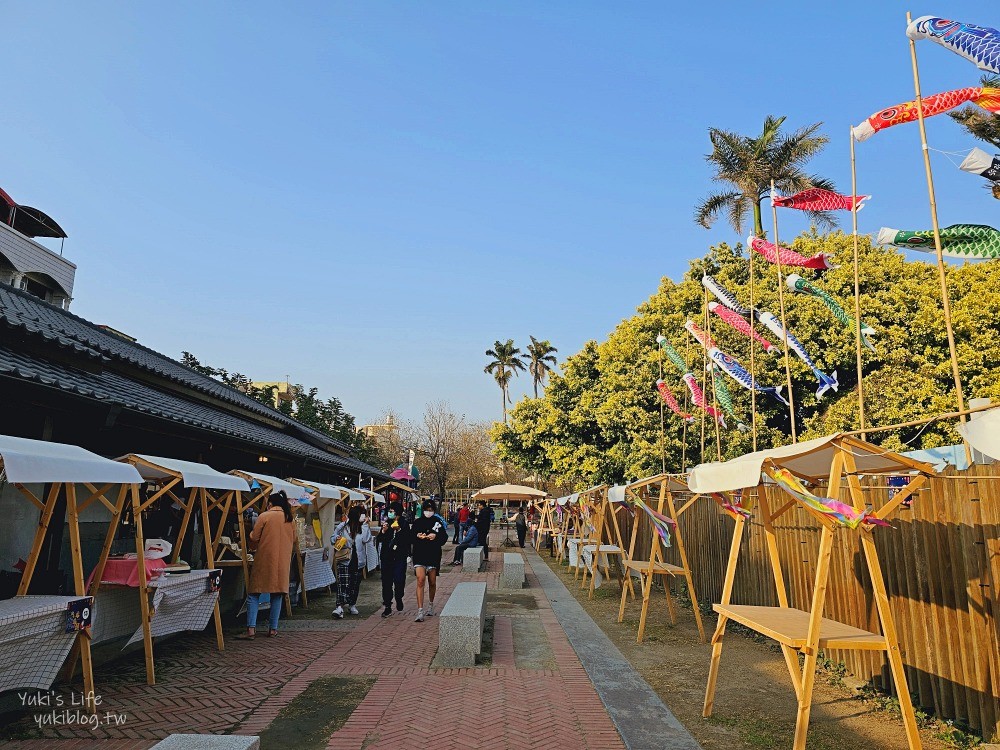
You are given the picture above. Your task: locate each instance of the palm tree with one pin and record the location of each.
(749, 165)
(538, 358)
(982, 124)
(506, 363)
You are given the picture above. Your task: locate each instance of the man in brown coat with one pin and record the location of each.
(271, 541)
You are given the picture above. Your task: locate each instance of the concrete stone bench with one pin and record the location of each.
(512, 576)
(207, 742)
(460, 625)
(472, 559)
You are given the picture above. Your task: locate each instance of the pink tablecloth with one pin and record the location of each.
(126, 572)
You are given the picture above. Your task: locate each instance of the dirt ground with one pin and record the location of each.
(755, 703)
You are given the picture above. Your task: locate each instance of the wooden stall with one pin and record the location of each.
(196, 488)
(60, 468)
(659, 490)
(600, 546)
(829, 462)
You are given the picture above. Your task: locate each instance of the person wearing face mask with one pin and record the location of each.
(357, 536)
(430, 532)
(394, 547)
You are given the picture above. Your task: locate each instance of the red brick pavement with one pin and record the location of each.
(241, 691)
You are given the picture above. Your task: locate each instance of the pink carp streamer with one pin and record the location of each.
(846, 515)
(818, 199)
(772, 254)
(701, 336)
(698, 398)
(671, 401)
(987, 98)
(735, 510)
(736, 321)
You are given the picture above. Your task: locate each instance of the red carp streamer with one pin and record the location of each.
(817, 199)
(985, 97)
(671, 401)
(772, 253)
(736, 321)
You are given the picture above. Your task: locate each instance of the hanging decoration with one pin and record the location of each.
(724, 295)
(736, 371)
(663, 524)
(735, 510)
(675, 358)
(772, 254)
(957, 240)
(846, 515)
(671, 401)
(702, 337)
(725, 398)
(988, 167)
(985, 97)
(698, 399)
(797, 284)
(977, 44)
(826, 382)
(818, 199)
(736, 321)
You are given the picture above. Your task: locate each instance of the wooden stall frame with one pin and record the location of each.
(320, 503)
(806, 633)
(81, 646)
(597, 539)
(656, 565)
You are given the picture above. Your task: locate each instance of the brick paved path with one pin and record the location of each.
(200, 690)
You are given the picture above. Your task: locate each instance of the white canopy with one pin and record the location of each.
(562, 500)
(277, 485)
(574, 498)
(354, 496)
(983, 432)
(509, 492)
(27, 461)
(617, 494)
(325, 491)
(378, 498)
(810, 459)
(192, 474)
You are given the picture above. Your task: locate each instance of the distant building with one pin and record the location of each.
(378, 432)
(28, 265)
(283, 392)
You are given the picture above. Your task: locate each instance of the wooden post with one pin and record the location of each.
(80, 589)
(942, 276)
(140, 548)
(210, 564)
(857, 292)
(720, 628)
(109, 539)
(679, 538)
(784, 325)
(36, 545)
(753, 368)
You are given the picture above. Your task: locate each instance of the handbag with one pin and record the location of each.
(341, 552)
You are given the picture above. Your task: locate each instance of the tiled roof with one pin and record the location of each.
(21, 311)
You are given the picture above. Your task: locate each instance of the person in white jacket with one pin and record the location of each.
(358, 538)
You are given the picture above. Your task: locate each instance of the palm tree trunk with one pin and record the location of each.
(503, 396)
(758, 224)
(534, 381)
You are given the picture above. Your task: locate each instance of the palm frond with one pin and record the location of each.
(709, 209)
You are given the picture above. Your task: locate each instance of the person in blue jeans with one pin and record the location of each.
(471, 540)
(271, 540)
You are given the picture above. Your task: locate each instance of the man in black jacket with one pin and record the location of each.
(483, 527)
(394, 547)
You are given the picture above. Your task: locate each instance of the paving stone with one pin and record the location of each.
(207, 742)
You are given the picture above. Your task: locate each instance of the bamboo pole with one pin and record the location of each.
(753, 368)
(926, 420)
(711, 377)
(942, 277)
(784, 325)
(663, 427)
(857, 292)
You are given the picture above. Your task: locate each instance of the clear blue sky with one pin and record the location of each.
(365, 195)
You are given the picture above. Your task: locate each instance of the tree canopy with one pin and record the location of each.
(599, 420)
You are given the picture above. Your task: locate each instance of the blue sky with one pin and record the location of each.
(365, 195)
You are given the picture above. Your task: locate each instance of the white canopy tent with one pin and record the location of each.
(207, 490)
(62, 467)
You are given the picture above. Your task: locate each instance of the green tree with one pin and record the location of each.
(539, 356)
(982, 124)
(747, 165)
(599, 420)
(505, 364)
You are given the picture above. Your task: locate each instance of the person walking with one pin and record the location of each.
(483, 520)
(471, 540)
(394, 547)
(453, 521)
(271, 541)
(357, 536)
(521, 526)
(430, 532)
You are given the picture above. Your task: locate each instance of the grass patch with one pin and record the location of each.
(320, 710)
